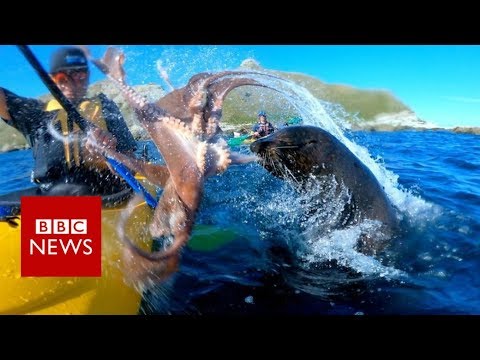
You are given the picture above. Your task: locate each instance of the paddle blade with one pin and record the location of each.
(236, 141)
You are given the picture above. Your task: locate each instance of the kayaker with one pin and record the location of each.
(262, 127)
(57, 161)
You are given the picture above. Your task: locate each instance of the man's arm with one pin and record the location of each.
(24, 114)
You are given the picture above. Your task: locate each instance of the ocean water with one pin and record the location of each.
(269, 264)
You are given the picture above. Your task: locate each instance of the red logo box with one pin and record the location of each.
(61, 236)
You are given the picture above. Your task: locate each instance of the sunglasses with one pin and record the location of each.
(75, 75)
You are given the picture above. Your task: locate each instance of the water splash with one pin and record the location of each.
(332, 118)
(181, 62)
(308, 224)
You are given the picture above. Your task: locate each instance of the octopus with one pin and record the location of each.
(184, 125)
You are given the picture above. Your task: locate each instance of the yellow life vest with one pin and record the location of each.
(91, 110)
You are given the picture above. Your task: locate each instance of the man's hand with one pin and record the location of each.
(99, 142)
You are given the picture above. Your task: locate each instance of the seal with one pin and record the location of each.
(304, 154)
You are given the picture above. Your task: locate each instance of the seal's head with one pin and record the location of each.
(294, 151)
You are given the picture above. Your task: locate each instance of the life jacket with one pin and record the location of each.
(91, 110)
(265, 129)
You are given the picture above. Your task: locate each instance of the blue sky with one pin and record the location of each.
(440, 83)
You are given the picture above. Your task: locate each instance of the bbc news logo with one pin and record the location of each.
(53, 245)
(61, 236)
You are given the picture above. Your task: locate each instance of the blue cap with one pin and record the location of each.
(68, 58)
(262, 113)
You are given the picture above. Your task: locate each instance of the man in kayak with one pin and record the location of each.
(58, 161)
(262, 127)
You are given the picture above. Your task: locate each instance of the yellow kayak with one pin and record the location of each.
(108, 294)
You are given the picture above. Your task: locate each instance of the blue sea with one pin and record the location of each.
(272, 262)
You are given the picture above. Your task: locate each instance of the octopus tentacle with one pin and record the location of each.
(218, 91)
(186, 159)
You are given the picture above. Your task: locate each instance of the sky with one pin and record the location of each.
(440, 83)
